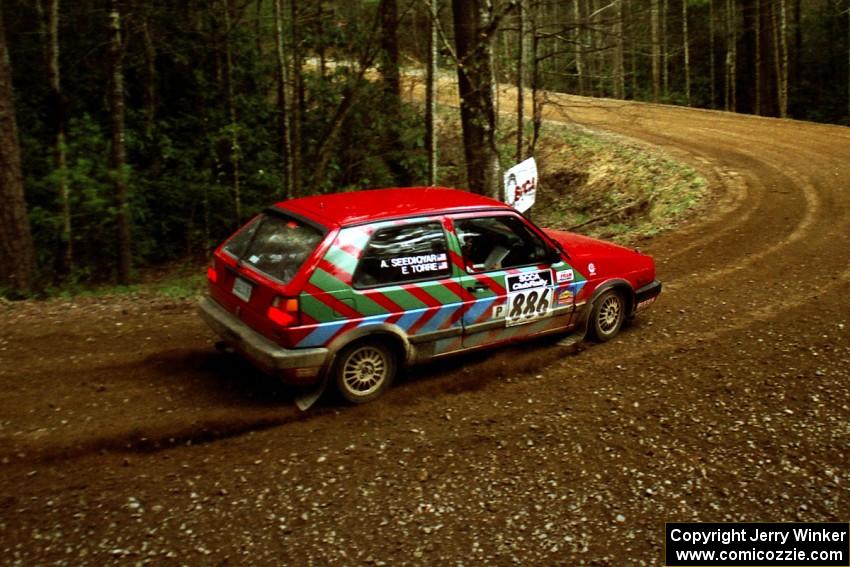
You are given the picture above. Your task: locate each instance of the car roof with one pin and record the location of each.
(345, 209)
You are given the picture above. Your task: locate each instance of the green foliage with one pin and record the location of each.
(183, 163)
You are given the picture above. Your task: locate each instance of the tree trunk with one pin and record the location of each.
(520, 82)
(712, 65)
(731, 102)
(17, 256)
(58, 114)
(282, 104)
(297, 102)
(258, 28)
(619, 66)
(119, 151)
(780, 56)
(536, 99)
(233, 129)
(388, 65)
(758, 62)
(783, 42)
(665, 50)
(795, 72)
(474, 31)
(389, 59)
(687, 52)
(656, 52)
(431, 94)
(591, 52)
(150, 78)
(579, 49)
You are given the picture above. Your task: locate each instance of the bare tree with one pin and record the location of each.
(633, 49)
(665, 49)
(233, 128)
(536, 98)
(712, 65)
(58, 119)
(780, 51)
(579, 47)
(119, 151)
(282, 103)
(520, 81)
(297, 101)
(388, 65)
(150, 74)
(731, 56)
(656, 51)
(619, 66)
(475, 27)
(17, 256)
(431, 94)
(687, 52)
(758, 60)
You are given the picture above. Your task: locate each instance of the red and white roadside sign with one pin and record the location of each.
(521, 185)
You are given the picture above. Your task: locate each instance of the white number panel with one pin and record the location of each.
(529, 297)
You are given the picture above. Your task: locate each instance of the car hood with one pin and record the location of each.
(597, 258)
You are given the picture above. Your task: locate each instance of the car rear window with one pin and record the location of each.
(275, 244)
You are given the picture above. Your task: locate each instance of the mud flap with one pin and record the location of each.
(577, 336)
(310, 395)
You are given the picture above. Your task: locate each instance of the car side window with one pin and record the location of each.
(402, 254)
(494, 243)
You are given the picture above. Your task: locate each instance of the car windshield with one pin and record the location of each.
(275, 245)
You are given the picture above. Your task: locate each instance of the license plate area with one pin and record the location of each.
(645, 303)
(242, 289)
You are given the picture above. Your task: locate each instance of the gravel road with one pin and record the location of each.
(125, 438)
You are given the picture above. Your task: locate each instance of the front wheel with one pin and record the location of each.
(609, 312)
(363, 371)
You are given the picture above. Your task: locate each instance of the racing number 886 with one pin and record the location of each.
(530, 305)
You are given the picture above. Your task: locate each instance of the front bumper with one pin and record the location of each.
(296, 366)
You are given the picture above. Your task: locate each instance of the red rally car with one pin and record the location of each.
(348, 288)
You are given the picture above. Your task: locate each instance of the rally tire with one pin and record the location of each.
(364, 370)
(607, 316)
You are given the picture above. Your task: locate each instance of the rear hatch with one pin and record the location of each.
(261, 265)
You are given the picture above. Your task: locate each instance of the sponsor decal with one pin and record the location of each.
(564, 276)
(591, 268)
(565, 298)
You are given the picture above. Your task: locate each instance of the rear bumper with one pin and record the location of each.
(645, 296)
(295, 366)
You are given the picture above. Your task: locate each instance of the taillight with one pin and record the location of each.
(212, 275)
(284, 311)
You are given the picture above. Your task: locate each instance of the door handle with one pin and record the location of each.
(477, 286)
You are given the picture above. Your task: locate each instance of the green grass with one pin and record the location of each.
(633, 192)
(178, 283)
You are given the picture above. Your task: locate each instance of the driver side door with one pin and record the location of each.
(513, 280)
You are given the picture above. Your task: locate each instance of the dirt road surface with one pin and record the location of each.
(126, 438)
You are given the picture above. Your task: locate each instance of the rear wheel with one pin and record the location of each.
(609, 312)
(363, 371)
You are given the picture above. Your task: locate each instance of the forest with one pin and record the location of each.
(138, 132)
